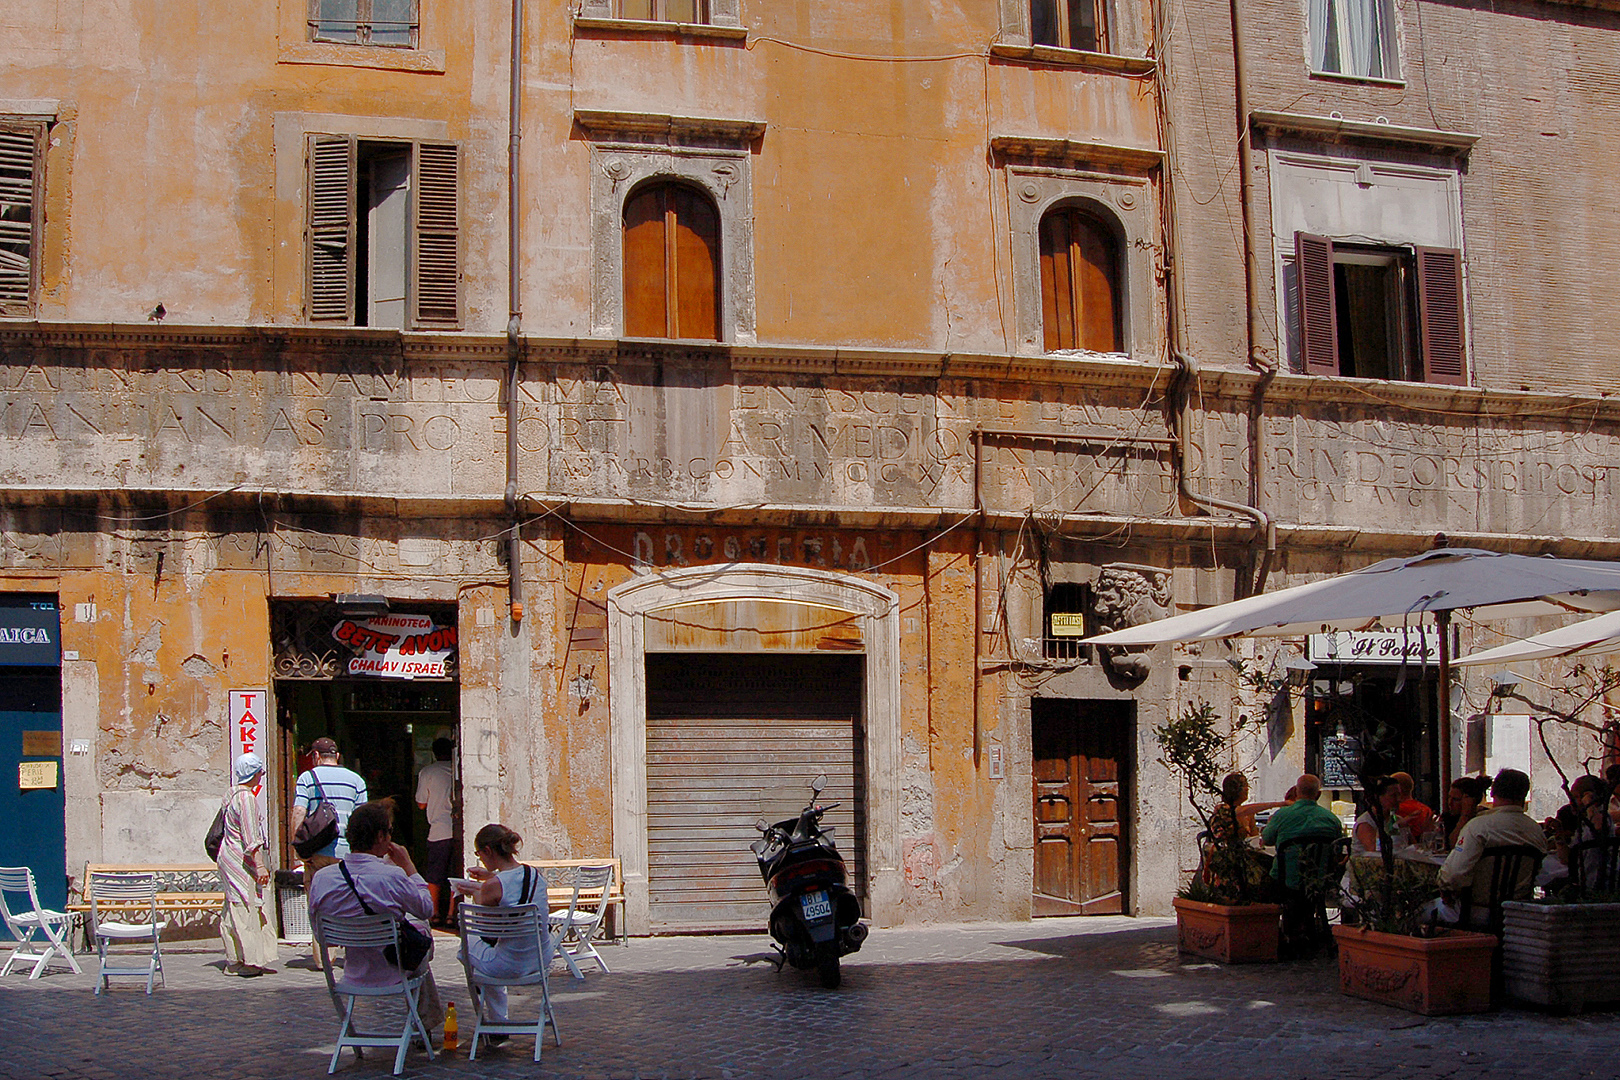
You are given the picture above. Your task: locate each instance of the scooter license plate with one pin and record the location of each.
(816, 906)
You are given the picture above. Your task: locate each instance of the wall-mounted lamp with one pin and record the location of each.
(361, 605)
(1504, 682)
(1298, 672)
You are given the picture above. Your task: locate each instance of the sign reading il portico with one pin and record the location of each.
(397, 646)
(1413, 646)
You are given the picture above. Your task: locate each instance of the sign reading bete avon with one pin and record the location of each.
(397, 646)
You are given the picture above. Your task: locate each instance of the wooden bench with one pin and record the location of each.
(560, 889)
(189, 891)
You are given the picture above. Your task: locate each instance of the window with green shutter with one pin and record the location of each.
(22, 186)
(383, 233)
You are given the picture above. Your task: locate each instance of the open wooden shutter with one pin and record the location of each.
(646, 288)
(436, 236)
(22, 171)
(1439, 272)
(694, 234)
(1318, 317)
(329, 238)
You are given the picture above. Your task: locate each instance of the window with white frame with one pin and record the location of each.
(1355, 38)
(720, 13)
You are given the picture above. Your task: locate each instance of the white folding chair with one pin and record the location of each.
(369, 932)
(32, 920)
(577, 926)
(524, 922)
(126, 894)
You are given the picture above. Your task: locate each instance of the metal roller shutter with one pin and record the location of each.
(732, 738)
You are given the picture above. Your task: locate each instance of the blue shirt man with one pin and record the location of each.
(343, 788)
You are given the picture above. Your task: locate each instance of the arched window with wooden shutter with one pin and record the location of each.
(671, 263)
(1080, 283)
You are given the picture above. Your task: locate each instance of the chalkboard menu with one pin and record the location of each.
(1341, 761)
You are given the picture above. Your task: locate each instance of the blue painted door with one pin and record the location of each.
(34, 833)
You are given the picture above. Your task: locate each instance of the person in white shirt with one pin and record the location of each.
(1506, 824)
(435, 792)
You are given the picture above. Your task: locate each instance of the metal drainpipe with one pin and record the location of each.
(1251, 256)
(514, 322)
(1187, 375)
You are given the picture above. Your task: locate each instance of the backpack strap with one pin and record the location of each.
(350, 879)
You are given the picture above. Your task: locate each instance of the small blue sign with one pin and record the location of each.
(30, 632)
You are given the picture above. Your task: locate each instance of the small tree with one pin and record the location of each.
(1196, 749)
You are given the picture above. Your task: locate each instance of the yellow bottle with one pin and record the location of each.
(452, 1033)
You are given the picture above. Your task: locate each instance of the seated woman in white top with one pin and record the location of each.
(504, 882)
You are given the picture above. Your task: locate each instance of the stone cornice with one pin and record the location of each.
(1337, 127)
(1217, 385)
(609, 124)
(1072, 152)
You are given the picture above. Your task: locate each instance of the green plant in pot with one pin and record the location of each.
(1218, 910)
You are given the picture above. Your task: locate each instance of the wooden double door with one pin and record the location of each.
(1082, 760)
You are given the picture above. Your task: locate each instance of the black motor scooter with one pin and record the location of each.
(815, 919)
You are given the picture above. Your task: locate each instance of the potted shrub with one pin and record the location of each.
(1220, 915)
(1399, 955)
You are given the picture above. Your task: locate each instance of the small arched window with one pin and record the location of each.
(671, 263)
(1080, 264)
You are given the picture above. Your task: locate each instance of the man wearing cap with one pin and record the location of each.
(244, 924)
(330, 782)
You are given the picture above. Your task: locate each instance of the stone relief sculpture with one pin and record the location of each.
(1126, 595)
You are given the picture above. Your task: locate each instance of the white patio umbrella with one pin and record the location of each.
(1599, 635)
(1405, 591)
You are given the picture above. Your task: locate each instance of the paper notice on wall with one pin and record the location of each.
(1507, 744)
(34, 775)
(398, 646)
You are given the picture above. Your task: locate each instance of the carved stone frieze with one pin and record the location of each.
(1127, 595)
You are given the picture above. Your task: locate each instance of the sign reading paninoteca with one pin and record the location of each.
(397, 646)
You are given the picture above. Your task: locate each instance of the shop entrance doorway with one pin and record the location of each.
(1366, 721)
(1081, 761)
(31, 795)
(384, 727)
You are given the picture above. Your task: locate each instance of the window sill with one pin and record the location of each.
(1075, 58)
(430, 61)
(1365, 80)
(646, 28)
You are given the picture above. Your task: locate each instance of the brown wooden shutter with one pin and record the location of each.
(1318, 317)
(22, 173)
(329, 239)
(645, 269)
(1057, 286)
(1440, 292)
(694, 233)
(1080, 305)
(436, 235)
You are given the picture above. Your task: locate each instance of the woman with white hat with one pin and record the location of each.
(244, 925)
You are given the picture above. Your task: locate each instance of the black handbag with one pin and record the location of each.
(319, 827)
(216, 835)
(414, 942)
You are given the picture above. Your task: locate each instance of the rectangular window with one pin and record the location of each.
(1068, 619)
(676, 11)
(1069, 24)
(22, 189)
(387, 23)
(383, 236)
(1353, 37)
(1380, 312)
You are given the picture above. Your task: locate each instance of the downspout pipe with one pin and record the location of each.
(514, 322)
(1186, 378)
(1251, 254)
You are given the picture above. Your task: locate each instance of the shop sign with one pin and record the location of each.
(1341, 761)
(36, 775)
(1068, 625)
(1412, 646)
(247, 735)
(30, 634)
(397, 646)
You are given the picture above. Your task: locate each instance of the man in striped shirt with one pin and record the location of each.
(343, 788)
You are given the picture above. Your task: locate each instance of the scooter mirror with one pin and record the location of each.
(818, 783)
(761, 824)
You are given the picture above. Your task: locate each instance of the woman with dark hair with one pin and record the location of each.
(1376, 825)
(1230, 827)
(1462, 805)
(505, 882)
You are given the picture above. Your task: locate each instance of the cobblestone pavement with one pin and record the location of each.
(1070, 998)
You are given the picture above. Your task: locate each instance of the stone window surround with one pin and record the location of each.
(628, 149)
(1122, 200)
(879, 608)
(1126, 36)
(294, 46)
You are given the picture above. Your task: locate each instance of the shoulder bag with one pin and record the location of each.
(216, 834)
(319, 827)
(413, 942)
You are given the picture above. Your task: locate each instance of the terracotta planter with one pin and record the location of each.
(1232, 934)
(1435, 976)
(1563, 956)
